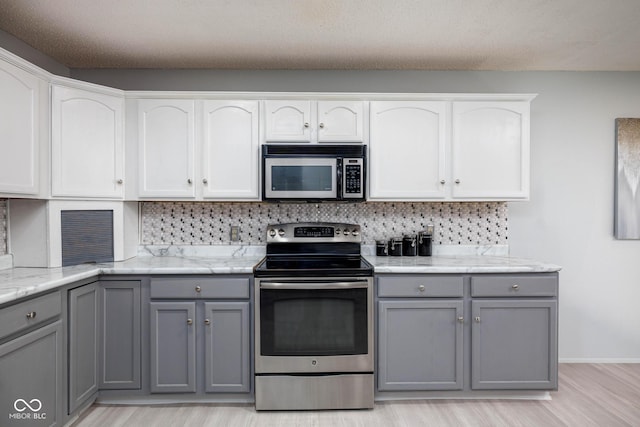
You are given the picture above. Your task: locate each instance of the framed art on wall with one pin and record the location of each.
(627, 182)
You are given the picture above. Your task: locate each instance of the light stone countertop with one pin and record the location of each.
(16, 283)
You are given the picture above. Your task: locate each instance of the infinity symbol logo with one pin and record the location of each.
(21, 405)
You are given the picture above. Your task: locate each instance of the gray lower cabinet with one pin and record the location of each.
(420, 345)
(31, 363)
(514, 344)
(208, 329)
(120, 337)
(83, 330)
(173, 347)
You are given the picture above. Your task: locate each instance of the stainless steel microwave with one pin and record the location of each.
(313, 173)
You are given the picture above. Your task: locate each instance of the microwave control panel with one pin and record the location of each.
(352, 178)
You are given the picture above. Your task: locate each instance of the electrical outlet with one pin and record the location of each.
(235, 233)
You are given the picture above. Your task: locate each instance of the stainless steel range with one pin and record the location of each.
(313, 319)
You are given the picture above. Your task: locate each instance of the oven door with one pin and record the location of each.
(300, 178)
(314, 326)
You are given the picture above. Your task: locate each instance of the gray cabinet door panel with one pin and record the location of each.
(120, 338)
(31, 368)
(420, 345)
(173, 347)
(514, 344)
(83, 344)
(227, 350)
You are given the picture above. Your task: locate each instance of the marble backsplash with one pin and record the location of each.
(208, 224)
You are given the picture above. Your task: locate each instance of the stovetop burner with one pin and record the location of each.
(313, 249)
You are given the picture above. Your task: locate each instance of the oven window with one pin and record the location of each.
(313, 322)
(301, 178)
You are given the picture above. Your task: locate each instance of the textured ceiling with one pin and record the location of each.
(331, 34)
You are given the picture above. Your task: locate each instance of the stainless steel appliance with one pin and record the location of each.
(313, 319)
(313, 173)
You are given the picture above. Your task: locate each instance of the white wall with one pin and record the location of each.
(569, 220)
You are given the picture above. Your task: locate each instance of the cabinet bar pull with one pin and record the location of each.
(31, 315)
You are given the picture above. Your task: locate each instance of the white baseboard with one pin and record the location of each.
(600, 360)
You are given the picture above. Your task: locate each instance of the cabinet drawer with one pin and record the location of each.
(425, 286)
(29, 313)
(513, 285)
(201, 287)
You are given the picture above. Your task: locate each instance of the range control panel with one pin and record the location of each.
(315, 232)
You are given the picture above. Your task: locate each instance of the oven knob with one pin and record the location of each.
(272, 233)
(355, 232)
(338, 231)
(281, 232)
(314, 362)
(345, 232)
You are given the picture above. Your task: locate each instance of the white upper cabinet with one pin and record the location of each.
(22, 96)
(314, 121)
(230, 150)
(288, 121)
(87, 144)
(407, 150)
(490, 150)
(340, 121)
(166, 147)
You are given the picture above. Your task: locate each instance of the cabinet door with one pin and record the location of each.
(288, 121)
(31, 378)
(86, 144)
(173, 347)
(83, 345)
(230, 150)
(490, 145)
(166, 138)
(420, 344)
(19, 130)
(514, 344)
(227, 352)
(120, 335)
(340, 121)
(407, 150)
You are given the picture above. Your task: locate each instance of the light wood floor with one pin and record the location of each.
(603, 395)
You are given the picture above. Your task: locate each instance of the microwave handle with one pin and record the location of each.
(314, 285)
(339, 170)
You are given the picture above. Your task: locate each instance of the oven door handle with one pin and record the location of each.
(314, 285)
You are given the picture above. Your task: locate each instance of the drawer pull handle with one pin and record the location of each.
(207, 321)
(461, 319)
(198, 288)
(31, 315)
(477, 319)
(189, 321)
(421, 288)
(515, 287)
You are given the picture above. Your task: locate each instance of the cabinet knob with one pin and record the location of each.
(120, 181)
(189, 181)
(515, 287)
(306, 125)
(204, 180)
(31, 315)
(443, 182)
(321, 125)
(461, 319)
(477, 319)
(207, 321)
(457, 181)
(189, 321)
(198, 288)
(421, 288)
